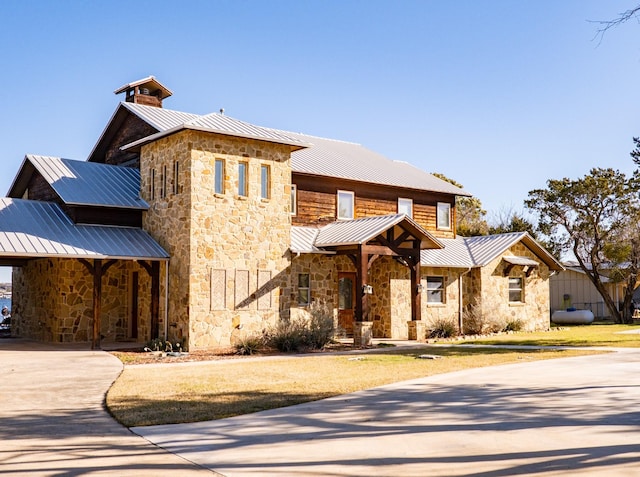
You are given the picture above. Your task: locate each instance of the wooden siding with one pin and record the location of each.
(132, 129)
(316, 200)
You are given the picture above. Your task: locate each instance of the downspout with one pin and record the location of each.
(460, 301)
(166, 300)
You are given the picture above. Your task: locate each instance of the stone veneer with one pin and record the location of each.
(229, 253)
(53, 301)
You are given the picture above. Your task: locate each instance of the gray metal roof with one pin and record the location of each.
(471, 252)
(303, 238)
(351, 161)
(359, 231)
(89, 183)
(317, 156)
(159, 118)
(32, 229)
(214, 123)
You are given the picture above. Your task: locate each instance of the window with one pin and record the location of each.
(176, 176)
(294, 199)
(242, 178)
(219, 177)
(152, 185)
(265, 181)
(345, 204)
(516, 290)
(304, 290)
(163, 182)
(435, 289)
(405, 206)
(444, 215)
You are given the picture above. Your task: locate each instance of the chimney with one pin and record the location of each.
(147, 91)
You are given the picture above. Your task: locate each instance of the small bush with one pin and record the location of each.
(160, 344)
(479, 320)
(301, 334)
(515, 324)
(443, 328)
(248, 345)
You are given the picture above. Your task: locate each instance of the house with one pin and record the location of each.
(201, 228)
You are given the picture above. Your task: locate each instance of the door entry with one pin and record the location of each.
(346, 301)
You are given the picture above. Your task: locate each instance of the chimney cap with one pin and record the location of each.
(150, 83)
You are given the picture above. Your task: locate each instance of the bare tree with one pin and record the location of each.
(606, 25)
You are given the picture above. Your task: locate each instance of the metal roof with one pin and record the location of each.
(359, 231)
(317, 156)
(303, 238)
(36, 229)
(351, 161)
(159, 118)
(89, 183)
(455, 254)
(215, 123)
(151, 80)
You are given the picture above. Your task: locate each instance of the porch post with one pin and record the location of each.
(416, 296)
(155, 299)
(362, 277)
(97, 300)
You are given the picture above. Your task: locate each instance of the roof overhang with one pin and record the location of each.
(151, 82)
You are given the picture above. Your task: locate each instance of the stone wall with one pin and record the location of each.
(53, 301)
(229, 253)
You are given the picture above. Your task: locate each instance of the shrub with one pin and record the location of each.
(515, 324)
(314, 332)
(479, 320)
(443, 328)
(249, 344)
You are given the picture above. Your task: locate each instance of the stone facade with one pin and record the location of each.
(229, 252)
(53, 302)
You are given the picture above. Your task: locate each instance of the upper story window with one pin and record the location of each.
(163, 182)
(444, 215)
(176, 177)
(219, 177)
(152, 185)
(405, 206)
(435, 289)
(346, 201)
(242, 179)
(294, 199)
(265, 182)
(516, 290)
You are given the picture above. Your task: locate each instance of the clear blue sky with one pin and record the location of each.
(499, 95)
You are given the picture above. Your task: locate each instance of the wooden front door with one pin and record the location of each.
(346, 301)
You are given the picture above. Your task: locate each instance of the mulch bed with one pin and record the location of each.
(133, 356)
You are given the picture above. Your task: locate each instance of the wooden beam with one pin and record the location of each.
(362, 277)
(416, 296)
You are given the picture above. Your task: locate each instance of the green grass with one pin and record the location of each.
(595, 334)
(147, 395)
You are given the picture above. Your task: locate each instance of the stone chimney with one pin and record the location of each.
(147, 91)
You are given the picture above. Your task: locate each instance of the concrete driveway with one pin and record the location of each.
(575, 416)
(572, 416)
(53, 422)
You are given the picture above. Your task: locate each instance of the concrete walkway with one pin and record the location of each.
(575, 416)
(53, 421)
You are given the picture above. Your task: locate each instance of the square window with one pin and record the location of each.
(304, 289)
(444, 215)
(265, 181)
(435, 289)
(219, 177)
(516, 290)
(405, 206)
(242, 179)
(345, 204)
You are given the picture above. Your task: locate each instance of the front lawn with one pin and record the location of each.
(174, 393)
(596, 334)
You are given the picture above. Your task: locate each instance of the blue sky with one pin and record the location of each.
(498, 95)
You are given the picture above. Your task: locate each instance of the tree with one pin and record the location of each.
(509, 220)
(470, 216)
(596, 218)
(606, 25)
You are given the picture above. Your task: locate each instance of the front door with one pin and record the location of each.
(346, 301)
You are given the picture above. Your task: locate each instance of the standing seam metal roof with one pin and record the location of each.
(89, 183)
(31, 228)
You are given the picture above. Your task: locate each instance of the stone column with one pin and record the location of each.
(362, 333)
(417, 330)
